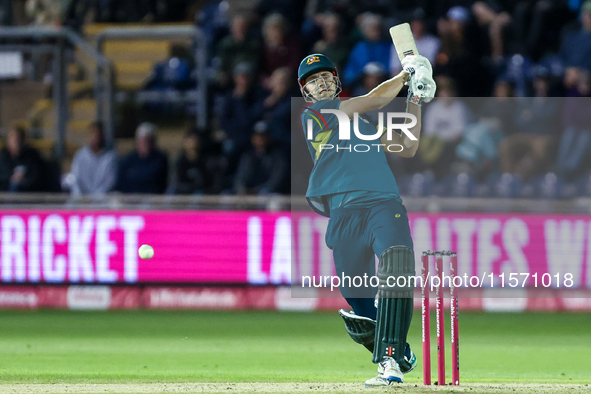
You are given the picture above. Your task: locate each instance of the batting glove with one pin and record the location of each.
(421, 87)
(412, 63)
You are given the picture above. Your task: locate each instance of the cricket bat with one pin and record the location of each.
(404, 42)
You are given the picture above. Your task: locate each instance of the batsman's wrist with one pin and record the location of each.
(414, 98)
(405, 75)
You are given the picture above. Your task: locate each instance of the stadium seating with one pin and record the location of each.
(133, 60)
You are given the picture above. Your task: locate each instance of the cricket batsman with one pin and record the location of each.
(356, 189)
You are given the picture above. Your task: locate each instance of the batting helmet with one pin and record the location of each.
(314, 63)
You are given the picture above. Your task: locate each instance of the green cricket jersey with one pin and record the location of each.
(351, 173)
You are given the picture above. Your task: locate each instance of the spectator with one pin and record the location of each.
(212, 19)
(575, 5)
(373, 75)
(334, 43)
(193, 175)
(500, 109)
(145, 170)
(427, 44)
(172, 74)
(80, 12)
(262, 169)
(453, 31)
(444, 123)
(440, 8)
(237, 48)
(292, 10)
(495, 20)
(277, 108)
(280, 48)
(6, 13)
(21, 167)
(166, 11)
(370, 49)
(459, 55)
(537, 24)
(576, 47)
(407, 10)
(537, 115)
(575, 143)
(479, 148)
(526, 152)
(94, 167)
(44, 12)
(570, 81)
(240, 109)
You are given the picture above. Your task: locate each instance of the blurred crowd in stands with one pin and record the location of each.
(528, 62)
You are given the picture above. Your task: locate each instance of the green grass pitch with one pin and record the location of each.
(193, 346)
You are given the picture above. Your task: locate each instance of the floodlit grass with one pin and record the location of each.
(190, 346)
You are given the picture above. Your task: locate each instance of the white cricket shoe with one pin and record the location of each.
(409, 357)
(390, 370)
(378, 381)
(388, 373)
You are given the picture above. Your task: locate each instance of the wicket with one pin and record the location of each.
(440, 318)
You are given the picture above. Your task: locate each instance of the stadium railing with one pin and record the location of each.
(55, 42)
(199, 96)
(274, 203)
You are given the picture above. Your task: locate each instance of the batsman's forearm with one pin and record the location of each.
(379, 97)
(411, 145)
(389, 89)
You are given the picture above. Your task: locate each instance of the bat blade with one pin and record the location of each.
(403, 40)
